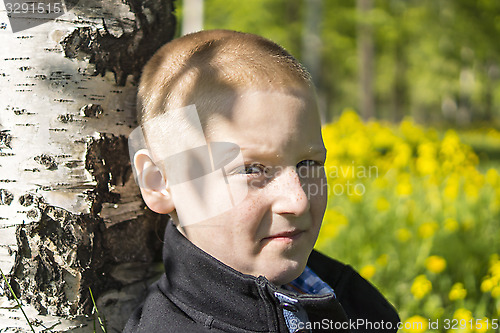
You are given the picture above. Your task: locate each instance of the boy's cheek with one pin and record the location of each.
(317, 193)
(315, 188)
(207, 197)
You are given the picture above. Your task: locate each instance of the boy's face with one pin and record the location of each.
(273, 229)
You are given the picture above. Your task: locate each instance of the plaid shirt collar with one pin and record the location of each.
(309, 283)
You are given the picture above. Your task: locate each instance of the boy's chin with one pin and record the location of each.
(286, 267)
(285, 272)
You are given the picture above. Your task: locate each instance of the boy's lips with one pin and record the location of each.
(285, 235)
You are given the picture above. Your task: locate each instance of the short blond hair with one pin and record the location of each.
(201, 67)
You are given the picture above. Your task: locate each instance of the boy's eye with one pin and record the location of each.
(310, 169)
(250, 169)
(306, 163)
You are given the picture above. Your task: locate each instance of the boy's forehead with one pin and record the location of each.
(270, 126)
(257, 113)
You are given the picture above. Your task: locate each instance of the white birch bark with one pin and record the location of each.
(52, 109)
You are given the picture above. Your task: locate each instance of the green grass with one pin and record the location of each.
(95, 312)
(17, 300)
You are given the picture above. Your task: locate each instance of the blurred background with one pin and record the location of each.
(409, 94)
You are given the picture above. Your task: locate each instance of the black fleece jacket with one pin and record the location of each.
(198, 293)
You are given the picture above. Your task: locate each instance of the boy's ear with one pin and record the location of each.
(154, 188)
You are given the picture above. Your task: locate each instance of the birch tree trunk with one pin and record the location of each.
(71, 216)
(366, 59)
(311, 49)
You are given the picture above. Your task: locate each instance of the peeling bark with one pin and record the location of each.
(64, 254)
(105, 161)
(126, 53)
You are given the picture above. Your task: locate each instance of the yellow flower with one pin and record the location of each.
(411, 131)
(455, 155)
(491, 282)
(482, 325)
(494, 258)
(403, 235)
(435, 264)
(421, 286)
(382, 204)
(492, 177)
(462, 313)
(333, 222)
(452, 187)
(457, 292)
(426, 166)
(359, 148)
(427, 229)
(403, 155)
(415, 324)
(495, 269)
(471, 190)
(451, 191)
(463, 316)
(495, 292)
(367, 271)
(350, 118)
(426, 162)
(404, 189)
(487, 285)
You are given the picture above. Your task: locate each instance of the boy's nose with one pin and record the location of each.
(290, 197)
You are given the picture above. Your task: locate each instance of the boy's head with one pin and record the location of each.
(235, 150)
(206, 67)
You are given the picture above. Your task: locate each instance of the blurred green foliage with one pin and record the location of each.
(437, 61)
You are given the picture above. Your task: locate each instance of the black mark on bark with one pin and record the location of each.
(127, 54)
(6, 197)
(91, 110)
(26, 200)
(65, 118)
(5, 139)
(47, 161)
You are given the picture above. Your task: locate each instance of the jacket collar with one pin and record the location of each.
(207, 290)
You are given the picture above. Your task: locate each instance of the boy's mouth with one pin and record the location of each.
(286, 236)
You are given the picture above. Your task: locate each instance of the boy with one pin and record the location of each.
(235, 156)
